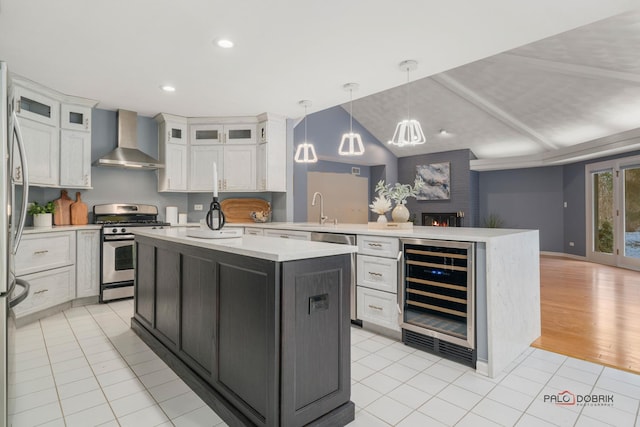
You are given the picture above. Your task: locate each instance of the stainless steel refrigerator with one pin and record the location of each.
(12, 290)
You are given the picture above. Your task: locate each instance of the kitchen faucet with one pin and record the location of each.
(313, 203)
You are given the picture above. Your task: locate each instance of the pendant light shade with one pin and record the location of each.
(306, 152)
(408, 131)
(351, 143)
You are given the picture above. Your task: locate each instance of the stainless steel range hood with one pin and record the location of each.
(127, 155)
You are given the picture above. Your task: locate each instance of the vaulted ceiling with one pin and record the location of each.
(542, 103)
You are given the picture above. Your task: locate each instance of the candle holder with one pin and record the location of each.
(215, 207)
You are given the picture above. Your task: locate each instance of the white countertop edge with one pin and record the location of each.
(471, 234)
(269, 248)
(60, 228)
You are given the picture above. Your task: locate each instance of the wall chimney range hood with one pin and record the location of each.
(127, 155)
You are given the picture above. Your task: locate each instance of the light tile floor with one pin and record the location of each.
(85, 367)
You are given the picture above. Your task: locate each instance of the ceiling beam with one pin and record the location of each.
(623, 142)
(569, 69)
(493, 110)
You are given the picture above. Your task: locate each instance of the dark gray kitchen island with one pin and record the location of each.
(258, 327)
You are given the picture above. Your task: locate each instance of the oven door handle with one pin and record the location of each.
(117, 237)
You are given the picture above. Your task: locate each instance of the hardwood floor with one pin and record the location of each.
(590, 311)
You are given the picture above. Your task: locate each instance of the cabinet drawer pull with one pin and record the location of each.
(41, 292)
(375, 245)
(40, 252)
(375, 274)
(375, 307)
(284, 236)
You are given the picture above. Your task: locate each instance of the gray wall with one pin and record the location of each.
(462, 185)
(526, 198)
(325, 129)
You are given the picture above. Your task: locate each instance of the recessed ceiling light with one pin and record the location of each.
(224, 43)
(168, 88)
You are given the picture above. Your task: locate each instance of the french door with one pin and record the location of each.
(613, 212)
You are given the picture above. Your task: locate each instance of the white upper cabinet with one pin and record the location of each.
(173, 152)
(206, 134)
(75, 117)
(201, 167)
(240, 168)
(42, 145)
(75, 159)
(240, 134)
(56, 130)
(231, 142)
(272, 153)
(36, 106)
(175, 132)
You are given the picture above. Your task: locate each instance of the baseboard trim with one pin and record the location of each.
(563, 255)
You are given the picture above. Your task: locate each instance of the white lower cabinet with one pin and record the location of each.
(378, 307)
(59, 267)
(377, 281)
(254, 231)
(47, 289)
(377, 273)
(88, 263)
(288, 234)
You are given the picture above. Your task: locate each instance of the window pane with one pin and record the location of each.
(632, 212)
(603, 212)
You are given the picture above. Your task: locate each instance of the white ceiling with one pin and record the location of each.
(120, 52)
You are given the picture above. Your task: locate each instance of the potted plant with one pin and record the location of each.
(42, 214)
(381, 205)
(399, 194)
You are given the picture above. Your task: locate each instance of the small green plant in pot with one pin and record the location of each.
(42, 214)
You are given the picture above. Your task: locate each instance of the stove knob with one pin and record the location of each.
(124, 230)
(153, 228)
(115, 230)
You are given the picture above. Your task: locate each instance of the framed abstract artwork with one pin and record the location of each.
(437, 179)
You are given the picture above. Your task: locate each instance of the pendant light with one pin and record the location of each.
(305, 153)
(351, 143)
(408, 131)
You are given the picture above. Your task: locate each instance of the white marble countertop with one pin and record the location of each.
(59, 228)
(470, 234)
(269, 248)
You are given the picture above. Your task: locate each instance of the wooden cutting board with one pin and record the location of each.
(79, 213)
(62, 214)
(239, 210)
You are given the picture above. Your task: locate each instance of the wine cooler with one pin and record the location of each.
(437, 298)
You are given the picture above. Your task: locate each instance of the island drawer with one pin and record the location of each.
(378, 307)
(378, 273)
(44, 251)
(379, 246)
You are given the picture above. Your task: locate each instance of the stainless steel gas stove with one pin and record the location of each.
(117, 220)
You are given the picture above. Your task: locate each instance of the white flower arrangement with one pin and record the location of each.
(399, 192)
(380, 205)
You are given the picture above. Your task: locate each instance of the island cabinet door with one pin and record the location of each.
(247, 345)
(157, 292)
(316, 376)
(199, 312)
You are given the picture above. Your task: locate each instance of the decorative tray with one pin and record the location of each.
(239, 209)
